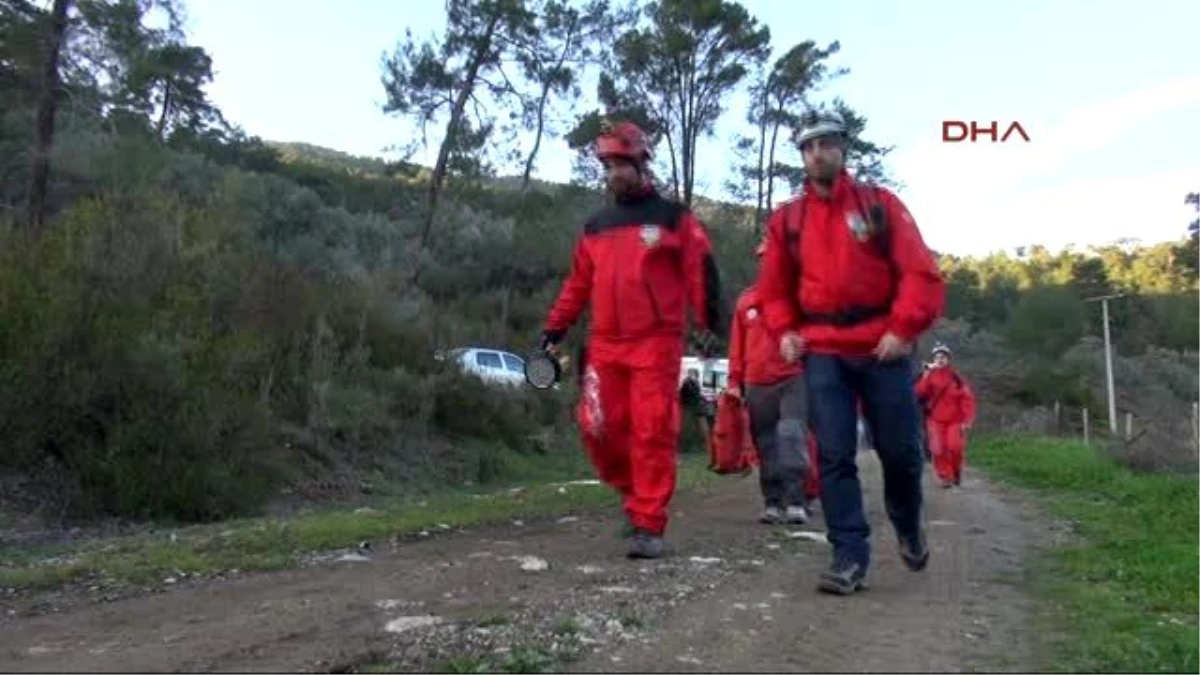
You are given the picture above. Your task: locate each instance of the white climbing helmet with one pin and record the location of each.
(941, 349)
(817, 123)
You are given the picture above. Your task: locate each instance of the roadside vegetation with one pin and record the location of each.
(261, 544)
(198, 325)
(1121, 597)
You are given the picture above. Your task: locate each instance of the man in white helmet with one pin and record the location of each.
(849, 285)
(949, 406)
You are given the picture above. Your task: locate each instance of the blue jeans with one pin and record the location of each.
(889, 405)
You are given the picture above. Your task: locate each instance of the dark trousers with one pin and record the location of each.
(890, 408)
(777, 413)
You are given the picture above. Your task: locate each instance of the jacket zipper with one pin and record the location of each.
(616, 296)
(653, 301)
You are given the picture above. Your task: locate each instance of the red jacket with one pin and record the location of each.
(754, 356)
(640, 264)
(946, 396)
(842, 273)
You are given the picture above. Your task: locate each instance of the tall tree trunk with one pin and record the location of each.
(39, 170)
(161, 127)
(674, 160)
(761, 176)
(541, 110)
(452, 127)
(691, 136)
(537, 138)
(771, 167)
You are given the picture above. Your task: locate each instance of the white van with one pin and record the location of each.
(714, 374)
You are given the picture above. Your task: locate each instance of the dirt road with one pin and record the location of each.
(558, 594)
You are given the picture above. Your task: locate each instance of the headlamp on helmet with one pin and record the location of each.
(815, 124)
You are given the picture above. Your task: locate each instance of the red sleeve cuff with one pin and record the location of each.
(904, 330)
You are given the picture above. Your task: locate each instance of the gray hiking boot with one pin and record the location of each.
(844, 577)
(772, 515)
(796, 515)
(914, 551)
(646, 546)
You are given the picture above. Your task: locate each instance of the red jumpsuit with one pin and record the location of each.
(755, 359)
(949, 404)
(639, 265)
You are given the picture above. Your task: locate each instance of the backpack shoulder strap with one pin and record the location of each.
(794, 224)
(870, 205)
(866, 198)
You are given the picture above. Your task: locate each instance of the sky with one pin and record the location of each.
(1108, 92)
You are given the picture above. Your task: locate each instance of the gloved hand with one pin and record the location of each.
(708, 343)
(791, 346)
(550, 339)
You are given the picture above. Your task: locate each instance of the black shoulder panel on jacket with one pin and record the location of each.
(653, 210)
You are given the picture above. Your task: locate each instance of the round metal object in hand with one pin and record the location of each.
(542, 370)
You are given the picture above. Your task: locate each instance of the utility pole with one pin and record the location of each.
(1108, 367)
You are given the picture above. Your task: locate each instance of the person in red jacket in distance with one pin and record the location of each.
(849, 284)
(949, 406)
(774, 394)
(639, 265)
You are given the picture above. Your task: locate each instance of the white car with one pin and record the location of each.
(714, 374)
(491, 365)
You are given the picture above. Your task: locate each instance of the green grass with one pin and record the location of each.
(1124, 597)
(275, 543)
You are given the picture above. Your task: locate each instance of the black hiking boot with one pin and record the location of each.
(914, 551)
(844, 577)
(646, 546)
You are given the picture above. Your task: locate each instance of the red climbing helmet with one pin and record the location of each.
(623, 139)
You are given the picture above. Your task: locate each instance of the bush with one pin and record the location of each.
(117, 380)
(185, 344)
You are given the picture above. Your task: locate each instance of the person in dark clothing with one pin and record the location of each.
(773, 390)
(691, 399)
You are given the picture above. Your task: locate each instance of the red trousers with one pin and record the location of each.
(630, 419)
(947, 445)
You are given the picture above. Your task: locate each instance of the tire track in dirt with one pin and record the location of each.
(735, 596)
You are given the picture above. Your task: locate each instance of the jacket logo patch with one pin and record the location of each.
(651, 235)
(751, 314)
(858, 226)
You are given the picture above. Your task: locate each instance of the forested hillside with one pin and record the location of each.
(192, 320)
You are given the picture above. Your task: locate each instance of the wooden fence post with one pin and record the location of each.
(1129, 426)
(1086, 438)
(1196, 424)
(1057, 418)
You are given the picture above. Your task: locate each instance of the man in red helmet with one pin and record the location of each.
(774, 394)
(640, 263)
(849, 284)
